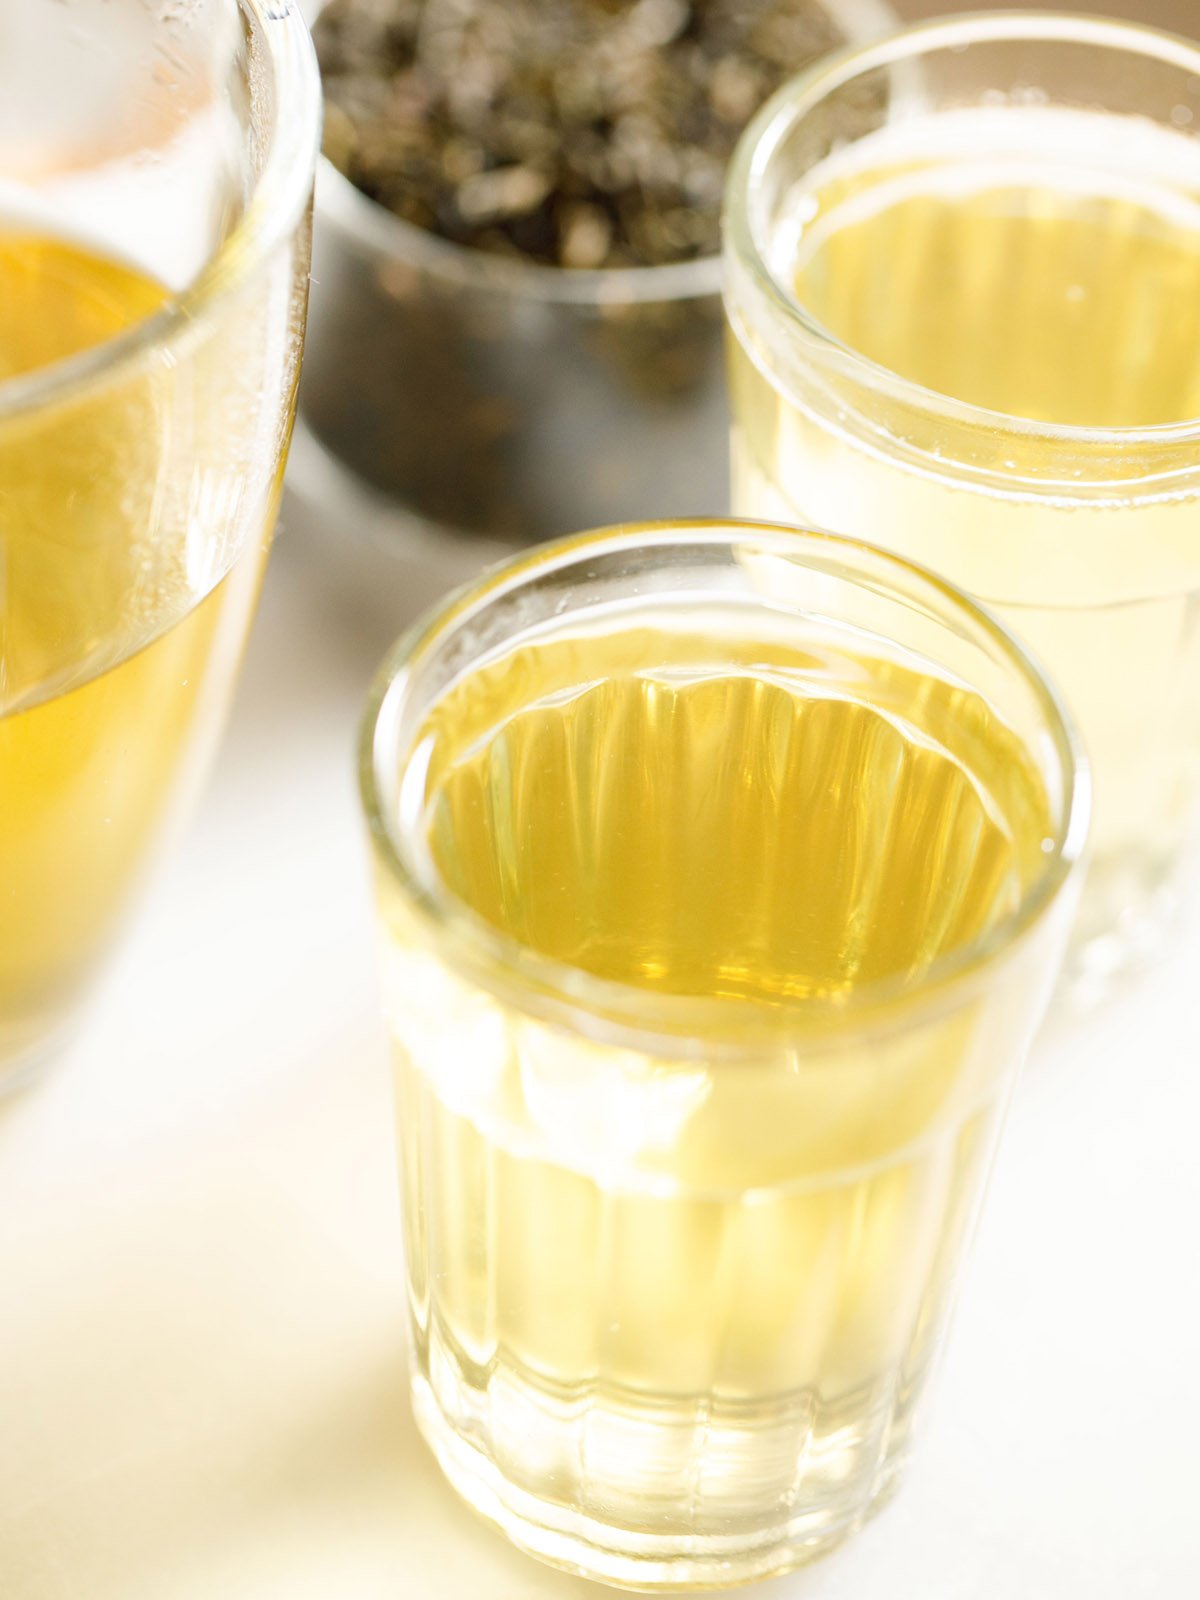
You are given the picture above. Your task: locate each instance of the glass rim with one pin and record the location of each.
(803, 93)
(671, 1025)
(274, 208)
(373, 226)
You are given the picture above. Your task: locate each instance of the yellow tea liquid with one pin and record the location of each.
(115, 656)
(1045, 265)
(652, 1282)
(688, 827)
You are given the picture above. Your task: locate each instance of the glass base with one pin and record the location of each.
(634, 1558)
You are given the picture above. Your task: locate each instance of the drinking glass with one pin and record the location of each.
(963, 289)
(156, 166)
(723, 872)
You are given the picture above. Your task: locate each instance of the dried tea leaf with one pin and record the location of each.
(581, 133)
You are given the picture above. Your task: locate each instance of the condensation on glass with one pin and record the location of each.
(156, 167)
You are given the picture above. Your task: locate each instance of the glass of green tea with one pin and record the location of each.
(963, 289)
(155, 177)
(723, 874)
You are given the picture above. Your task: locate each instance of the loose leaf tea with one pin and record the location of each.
(478, 389)
(579, 133)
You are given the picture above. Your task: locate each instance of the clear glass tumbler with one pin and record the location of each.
(723, 874)
(156, 167)
(963, 288)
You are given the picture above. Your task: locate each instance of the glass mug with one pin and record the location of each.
(156, 169)
(963, 292)
(723, 873)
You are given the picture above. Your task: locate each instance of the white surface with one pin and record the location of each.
(201, 1368)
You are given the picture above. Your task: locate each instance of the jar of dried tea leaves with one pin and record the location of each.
(516, 323)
